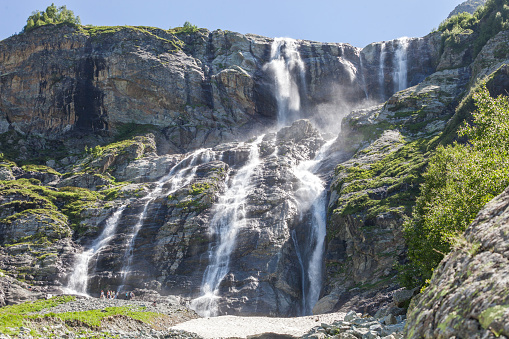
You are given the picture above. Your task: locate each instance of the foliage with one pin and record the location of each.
(487, 21)
(52, 15)
(187, 28)
(459, 181)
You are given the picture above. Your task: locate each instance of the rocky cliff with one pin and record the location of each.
(467, 296)
(373, 192)
(178, 189)
(468, 6)
(196, 89)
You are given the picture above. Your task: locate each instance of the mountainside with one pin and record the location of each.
(468, 6)
(246, 175)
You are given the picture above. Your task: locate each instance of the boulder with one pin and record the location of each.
(470, 285)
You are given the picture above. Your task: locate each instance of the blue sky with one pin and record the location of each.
(358, 22)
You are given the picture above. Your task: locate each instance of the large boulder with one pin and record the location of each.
(468, 294)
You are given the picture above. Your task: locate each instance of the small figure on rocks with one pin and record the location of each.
(108, 295)
(102, 294)
(154, 303)
(132, 295)
(126, 295)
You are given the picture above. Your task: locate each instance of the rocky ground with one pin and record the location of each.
(169, 318)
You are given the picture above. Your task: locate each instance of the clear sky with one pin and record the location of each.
(358, 22)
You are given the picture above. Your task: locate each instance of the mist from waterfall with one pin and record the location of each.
(179, 176)
(78, 280)
(229, 216)
(289, 73)
(401, 65)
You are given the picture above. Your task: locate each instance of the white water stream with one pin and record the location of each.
(288, 71)
(381, 72)
(401, 67)
(229, 216)
(78, 281)
(177, 178)
(311, 197)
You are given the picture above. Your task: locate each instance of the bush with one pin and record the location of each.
(487, 21)
(187, 28)
(459, 181)
(52, 15)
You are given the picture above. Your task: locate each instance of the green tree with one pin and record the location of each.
(52, 15)
(459, 181)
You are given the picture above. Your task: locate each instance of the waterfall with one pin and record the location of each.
(178, 177)
(400, 69)
(78, 281)
(381, 73)
(311, 196)
(302, 272)
(288, 71)
(363, 78)
(229, 216)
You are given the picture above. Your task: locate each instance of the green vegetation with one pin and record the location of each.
(399, 172)
(188, 28)
(93, 318)
(486, 22)
(56, 204)
(100, 32)
(459, 181)
(52, 15)
(15, 316)
(39, 168)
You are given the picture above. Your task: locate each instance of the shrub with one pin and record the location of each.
(487, 21)
(52, 15)
(459, 181)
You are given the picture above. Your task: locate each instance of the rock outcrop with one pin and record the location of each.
(197, 89)
(467, 296)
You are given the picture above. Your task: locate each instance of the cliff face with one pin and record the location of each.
(373, 192)
(467, 296)
(199, 89)
(150, 212)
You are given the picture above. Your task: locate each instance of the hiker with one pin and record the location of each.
(126, 295)
(154, 303)
(108, 295)
(102, 294)
(132, 295)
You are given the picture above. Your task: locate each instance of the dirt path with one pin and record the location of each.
(241, 327)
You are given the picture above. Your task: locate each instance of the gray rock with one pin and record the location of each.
(6, 173)
(466, 283)
(390, 320)
(402, 297)
(370, 335)
(351, 316)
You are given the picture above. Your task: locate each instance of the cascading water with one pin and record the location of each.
(288, 70)
(178, 177)
(78, 281)
(311, 197)
(363, 78)
(401, 65)
(381, 72)
(228, 218)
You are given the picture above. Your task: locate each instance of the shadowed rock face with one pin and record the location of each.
(467, 296)
(213, 89)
